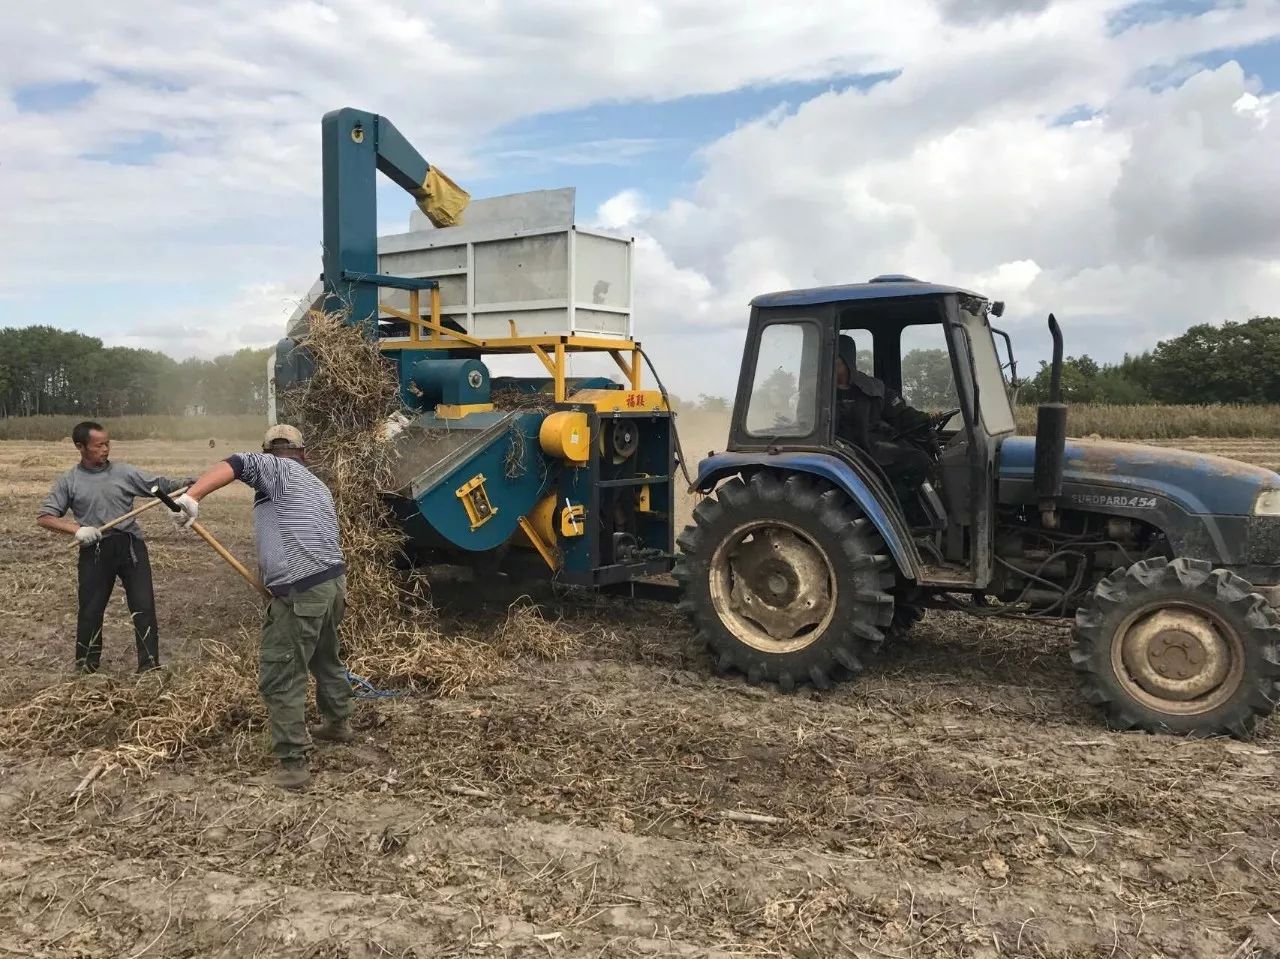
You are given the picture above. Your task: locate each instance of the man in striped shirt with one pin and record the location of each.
(295, 526)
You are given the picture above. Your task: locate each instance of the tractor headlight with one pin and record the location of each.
(1267, 503)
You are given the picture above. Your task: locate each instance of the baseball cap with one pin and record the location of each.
(282, 434)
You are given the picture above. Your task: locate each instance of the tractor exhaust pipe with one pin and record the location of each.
(1051, 437)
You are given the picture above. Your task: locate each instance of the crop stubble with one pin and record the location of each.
(614, 800)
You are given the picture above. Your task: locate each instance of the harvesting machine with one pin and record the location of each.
(569, 474)
(805, 555)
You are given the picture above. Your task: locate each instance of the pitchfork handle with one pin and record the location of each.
(218, 548)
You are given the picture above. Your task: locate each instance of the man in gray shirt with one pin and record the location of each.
(96, 491)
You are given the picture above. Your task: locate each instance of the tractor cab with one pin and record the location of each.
(918, 421)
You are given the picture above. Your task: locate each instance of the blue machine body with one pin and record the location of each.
(626, 502)
(502, 448)
(451, 382)
(1203, 504)
(1198, 483)
(891, 286)
(356, 146)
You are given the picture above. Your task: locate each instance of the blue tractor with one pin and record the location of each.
(809, 553)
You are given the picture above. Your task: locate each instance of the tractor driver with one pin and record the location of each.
(878, 421)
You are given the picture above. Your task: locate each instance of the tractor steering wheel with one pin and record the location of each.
(939, 420)
(927, 428)
(934, 423)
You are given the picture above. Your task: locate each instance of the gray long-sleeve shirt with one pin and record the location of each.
(99, 496)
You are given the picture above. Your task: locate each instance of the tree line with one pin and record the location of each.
(1231, 363)
(44, 370)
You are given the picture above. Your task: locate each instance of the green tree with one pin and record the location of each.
(40, 364)
(1114, 386)
(47, 370)
(1232, 363)
(773, 401)
(927, 383)
(1079, 381)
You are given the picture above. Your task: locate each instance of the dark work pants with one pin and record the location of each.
(906, 466)
(124, 557)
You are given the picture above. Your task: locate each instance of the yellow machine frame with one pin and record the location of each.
(551, 349)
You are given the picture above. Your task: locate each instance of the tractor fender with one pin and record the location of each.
(713, 469)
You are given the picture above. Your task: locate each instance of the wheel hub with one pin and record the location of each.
(775, 587)
(1176, 654)
(779, 586)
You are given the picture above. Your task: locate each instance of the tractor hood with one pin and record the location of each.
(1198, 482)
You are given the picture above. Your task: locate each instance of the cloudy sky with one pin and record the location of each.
(1113, 161)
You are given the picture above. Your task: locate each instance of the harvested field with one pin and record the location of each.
(605, 795)
(1162, 422)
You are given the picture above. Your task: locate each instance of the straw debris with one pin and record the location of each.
(391, 633)
(527, 632)
(137, 723)
(510, 398)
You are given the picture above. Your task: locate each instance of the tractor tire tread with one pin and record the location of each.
(1232, 597)
(865, 577)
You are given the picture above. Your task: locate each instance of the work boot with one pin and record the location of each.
(334, 731)
(292, 774)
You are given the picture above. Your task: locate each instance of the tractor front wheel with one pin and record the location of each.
(1177, 646)
(785, 580)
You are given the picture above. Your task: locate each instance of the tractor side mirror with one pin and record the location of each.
(997, 309)
(1010, 364)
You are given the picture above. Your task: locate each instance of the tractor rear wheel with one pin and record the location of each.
(785, 580)
(1178, 646)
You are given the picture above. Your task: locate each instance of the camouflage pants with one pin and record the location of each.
(300, 635)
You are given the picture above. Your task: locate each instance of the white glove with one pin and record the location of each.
(189, 511)
(88, 535)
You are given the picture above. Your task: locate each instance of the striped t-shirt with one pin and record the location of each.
(295, 524)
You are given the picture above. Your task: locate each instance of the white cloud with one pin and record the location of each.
(1160, 209)
(1196, 182)
(621, 210)
(252, 316)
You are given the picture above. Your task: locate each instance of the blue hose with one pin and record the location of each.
(361, 688)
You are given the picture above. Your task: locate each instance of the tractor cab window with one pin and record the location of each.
(928, 383)
(783, 398)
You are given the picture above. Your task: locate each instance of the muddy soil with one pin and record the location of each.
(958, 800)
